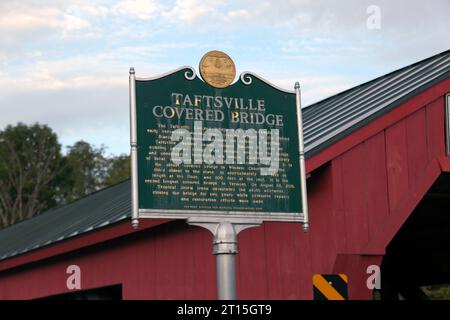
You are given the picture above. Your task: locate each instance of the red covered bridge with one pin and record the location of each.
(379, 193)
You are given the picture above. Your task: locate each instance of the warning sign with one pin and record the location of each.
(330, 287)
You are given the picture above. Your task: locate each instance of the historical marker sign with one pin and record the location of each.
(214, 149)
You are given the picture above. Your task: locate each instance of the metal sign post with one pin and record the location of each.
(225, 249)
(224, 155)
(133, 152)
(301, 152)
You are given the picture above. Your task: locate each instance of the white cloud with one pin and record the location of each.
(141, 9)
(87, 8)
(72, 23)
(238, 17)
(17, 18)
(43, 79)
(25, 24)
(194, 12)
(68, 73)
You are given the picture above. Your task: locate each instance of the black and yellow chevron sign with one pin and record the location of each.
(330, 287)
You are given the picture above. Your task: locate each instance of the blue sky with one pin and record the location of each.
(65, 63)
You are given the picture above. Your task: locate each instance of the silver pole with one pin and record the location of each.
(301, 150)
(133, 151)
(225, 250)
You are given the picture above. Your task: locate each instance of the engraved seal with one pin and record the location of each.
(217, 69)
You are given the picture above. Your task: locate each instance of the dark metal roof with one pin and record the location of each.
(94, 211)
(331, 119)
(325, 122)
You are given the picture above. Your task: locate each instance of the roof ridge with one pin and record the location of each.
(443, 53)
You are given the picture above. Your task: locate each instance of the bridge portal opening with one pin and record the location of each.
(417, 261)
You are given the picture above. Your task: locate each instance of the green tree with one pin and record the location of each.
(35, 176)
(31, 171)
(119, 169)
(88, 169)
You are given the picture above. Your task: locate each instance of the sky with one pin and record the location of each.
(65, 63)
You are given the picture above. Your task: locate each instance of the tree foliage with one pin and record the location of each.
(89, 169)
(29, 167)
(36, 176)
(119, 169)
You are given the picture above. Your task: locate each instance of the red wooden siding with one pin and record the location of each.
(377, 182)
(379, 174)
(252, 282)
(358, 199)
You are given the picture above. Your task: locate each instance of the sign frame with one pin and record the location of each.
(246, 78)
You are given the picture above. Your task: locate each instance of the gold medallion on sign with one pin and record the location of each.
(217, 69)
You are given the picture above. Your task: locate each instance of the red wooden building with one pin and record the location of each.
(379, 193)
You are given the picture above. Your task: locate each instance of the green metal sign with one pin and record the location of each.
(201, 151)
